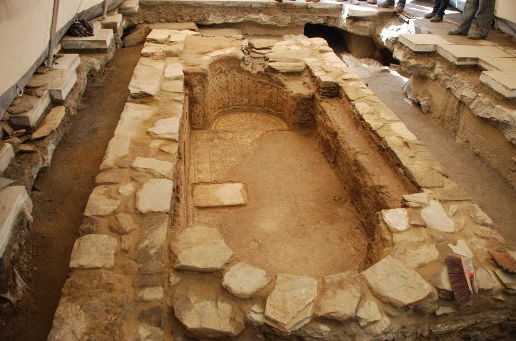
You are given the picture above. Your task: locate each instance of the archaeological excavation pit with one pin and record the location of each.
(256, 188)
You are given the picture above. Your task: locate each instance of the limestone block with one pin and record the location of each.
(416, 199)
(132, 118)
(146, 80)
(507, 279)
(261, 44)
(215, 195)
(256, 315)
(124, 223)
(417, 235)
(151, 294)
(287, 67)
(160, 51)
(100, 203)
(461, 248)
(290, 305)
(111, 176)
(94, 251)
(158, 35)
(13, 200)
(174, 71)
(503, 82)
(29, 111)
(204, 256)
(155, 196)
(424, 175)
(118, 147)
(395, 283)
(68, 61)
(6, 156)
(101, 40)
(339, 296)
(396, 219)
(368, 312)
(416, 256)
(441, 280)
(436, 218)
(160, 167)
(113, 22)
(243, 280)
(498, 64)
(484, 279)
(205, 315)
(50, 123)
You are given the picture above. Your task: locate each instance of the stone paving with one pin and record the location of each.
(138, 284)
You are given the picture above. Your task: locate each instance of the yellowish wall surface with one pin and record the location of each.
(506, 9)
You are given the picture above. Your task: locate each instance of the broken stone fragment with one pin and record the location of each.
(160, 167)
(146, 79)
(155, 196)
(151, 294)
(396, 219)
(415, 235)
(436, 218)
(256, 315)
(368, 312)
(215, 195)
(167, 128)
(201, 248)
(124, 223)
(484, 279)
(151, 243)
(416, 199)
(291, 304)
(94, 251)
(207, 315)
(339, 296)
(394, 282)
(479, 216)
(118, 147)
(100, 203)
(461, 248)
(243, 280)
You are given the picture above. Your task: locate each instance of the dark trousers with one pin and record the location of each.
(440, 6)
(484, 10)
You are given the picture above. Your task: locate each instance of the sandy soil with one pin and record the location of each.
(60, 195)
(299, 219)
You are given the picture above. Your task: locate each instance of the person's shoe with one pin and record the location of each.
(386, 4)
(437, 18)
(399, 8)
(475, 36)
(371, 2)
(430, 15)
(456, 33)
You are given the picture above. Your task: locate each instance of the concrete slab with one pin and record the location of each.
(216, 195)
(354, 11)
(101, 40)
(69, 61)
(502, 82)
(6, 156)
(468, 54)
(422, 42)
(31, 117)
(13, 199)
(113, 22)
(498, 64)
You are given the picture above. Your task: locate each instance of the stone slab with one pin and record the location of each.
(13, 200)
(129, 7)
(339, 296)
(174, 71)
(396, 219)
(468, 54)
(395, 283)
(113, 22)
(68, 61)
(422, 42)
(6, 156)
(158, 35)
(503, 82)
(155, 196)
(50, 123)
(498, 64)
(101, 40)
(205, 315)
(94, 251)
(291, 304)
(368, 312)
(416, 256)
(146, 80)
(436, 218)
(216, 195)
(100, 203)
(206, 257)
(29, 119)
(354, 11)
(118, 147)
(160, 167)
(243, 280)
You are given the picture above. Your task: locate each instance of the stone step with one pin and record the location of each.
(500, 81)
(129, 7)
(6, 156)
(59, 83)
(69, 61)
(101, 40)
(114, 22)
(422, 42)
(498, 64)
(469, 54)
(13, 200)
(28, 110)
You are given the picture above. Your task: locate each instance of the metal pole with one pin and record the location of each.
(52, 43)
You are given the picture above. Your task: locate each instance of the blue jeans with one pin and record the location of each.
(440, 6)
(484, 9)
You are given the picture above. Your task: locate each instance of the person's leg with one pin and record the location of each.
(432, 14)
(443, 5)
(400, 6)
(485, 17)
(469, 14)
(386, 4)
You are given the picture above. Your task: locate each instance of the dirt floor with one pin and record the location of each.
(299, 218)
(60, 195)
